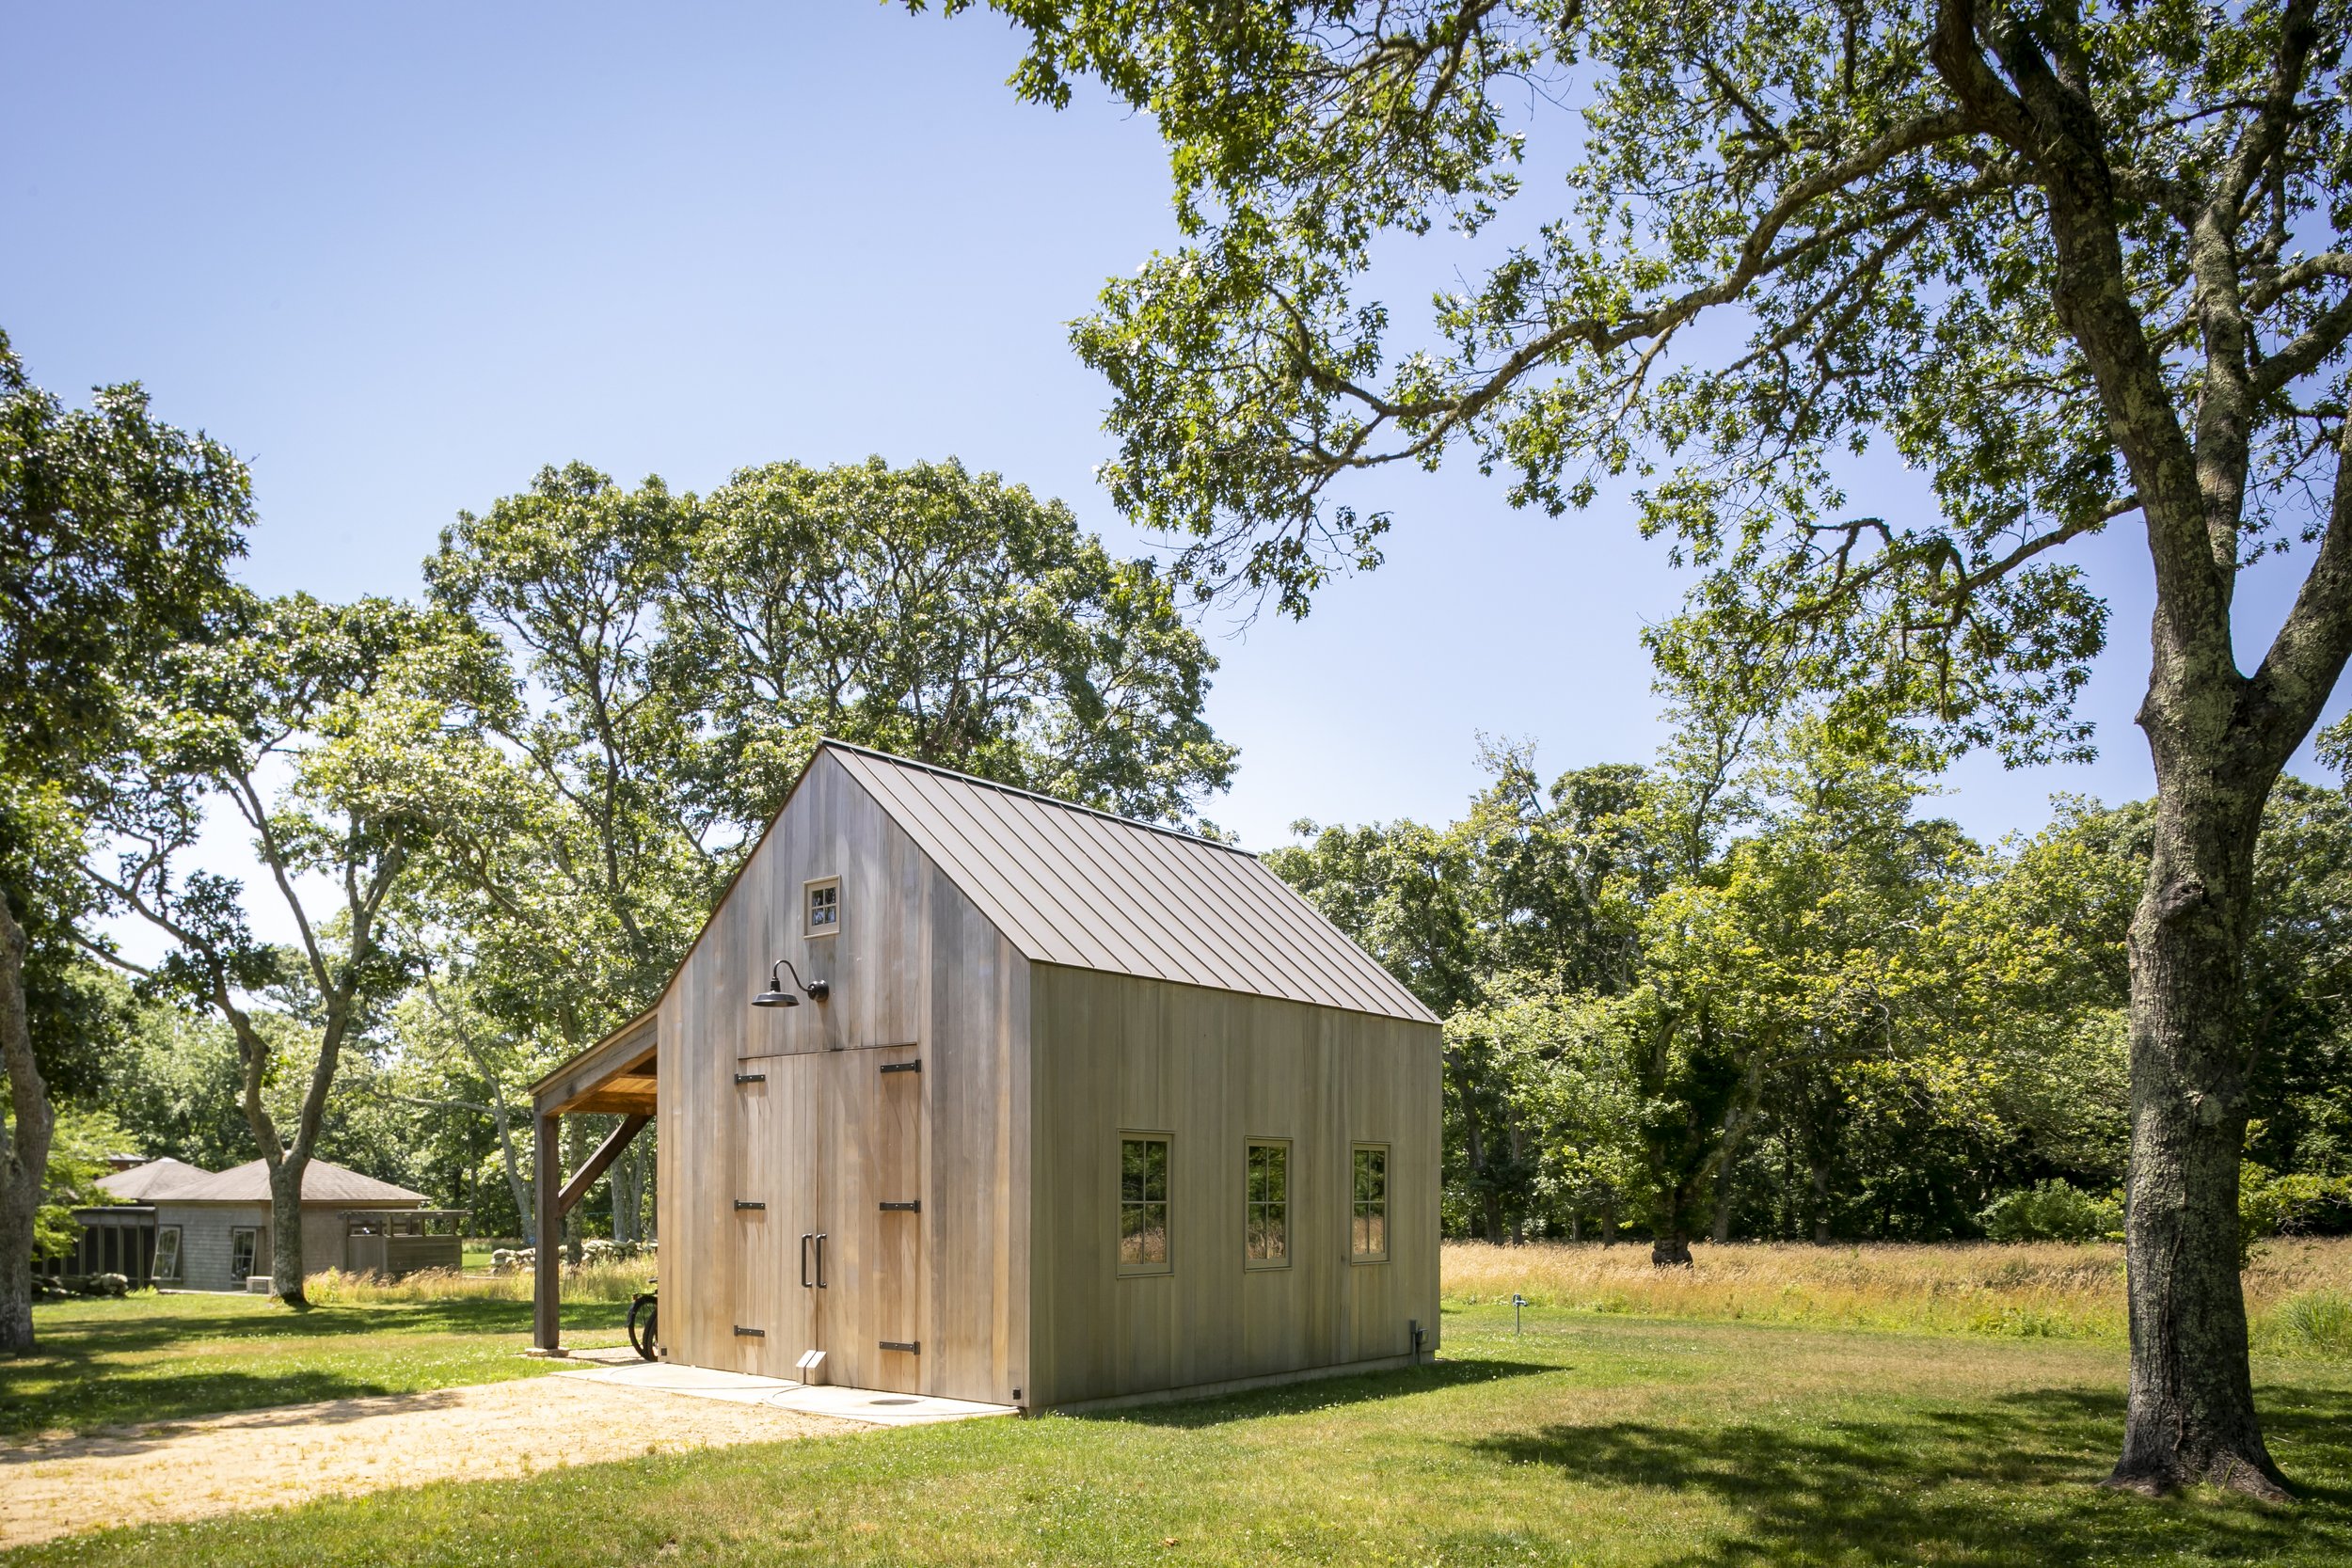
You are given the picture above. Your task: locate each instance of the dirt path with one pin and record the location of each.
(271, 1458)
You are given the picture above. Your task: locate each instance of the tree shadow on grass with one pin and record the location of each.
(178, 1324)
(2009, 1481)
(1324, 1393)
(85, 1373)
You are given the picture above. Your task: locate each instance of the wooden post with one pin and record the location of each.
(547, 1290)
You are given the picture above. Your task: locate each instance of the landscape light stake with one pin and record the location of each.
(1517, 1301)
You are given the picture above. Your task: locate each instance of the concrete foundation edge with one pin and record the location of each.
(1236, 1384)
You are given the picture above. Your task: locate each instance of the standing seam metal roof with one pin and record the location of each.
(1070, 885)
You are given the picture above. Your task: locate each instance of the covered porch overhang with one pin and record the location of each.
(617, 1075)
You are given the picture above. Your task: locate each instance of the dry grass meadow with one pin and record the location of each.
(2298, 1292)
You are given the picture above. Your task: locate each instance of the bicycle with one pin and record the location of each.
(644, 1322)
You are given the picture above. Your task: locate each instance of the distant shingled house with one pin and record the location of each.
(179, 1226)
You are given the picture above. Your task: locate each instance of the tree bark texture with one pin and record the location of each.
(2191, 1414)
(25, 1146)
(285, 1227)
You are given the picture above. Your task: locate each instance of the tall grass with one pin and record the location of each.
(2298, 1292)
(594, 1282)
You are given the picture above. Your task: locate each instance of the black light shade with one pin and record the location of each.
(776, 996)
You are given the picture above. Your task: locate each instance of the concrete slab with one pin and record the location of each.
(883, 1409)
(875, 1406)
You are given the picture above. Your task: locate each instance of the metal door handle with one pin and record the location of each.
(805, 1238)
(821, 1259)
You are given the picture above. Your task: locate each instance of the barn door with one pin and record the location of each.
(779, 1155)
(873, 1323)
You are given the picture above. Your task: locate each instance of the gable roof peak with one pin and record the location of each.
(1054, 800)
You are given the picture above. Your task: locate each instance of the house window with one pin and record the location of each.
(1368, 1237)
(166, 1254)
(1143, 1204)
(1266, 1224)
(823, 902)
(243, 1242)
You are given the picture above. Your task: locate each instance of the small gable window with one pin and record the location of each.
(823, 902)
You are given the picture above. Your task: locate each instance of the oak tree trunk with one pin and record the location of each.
(2191, 1413)
(24, 1146)
(285, 1228)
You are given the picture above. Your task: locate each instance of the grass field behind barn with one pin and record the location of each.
(1775, 1405)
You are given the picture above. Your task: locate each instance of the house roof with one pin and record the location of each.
(1070, 885)
(137, 1183)
(323, 1182)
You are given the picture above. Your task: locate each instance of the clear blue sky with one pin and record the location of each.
(399, 257)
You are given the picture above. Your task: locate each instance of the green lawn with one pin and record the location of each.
(1595, 1439)
(148, 1357)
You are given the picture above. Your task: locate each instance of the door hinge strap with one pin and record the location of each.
(749, 1203)
(751, 1077)
(913, 1347)
(914, 1066)
(742, 1333)
(913, 1208)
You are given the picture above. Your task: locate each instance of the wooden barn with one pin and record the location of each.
(970, 1092)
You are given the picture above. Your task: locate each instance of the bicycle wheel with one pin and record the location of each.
(643, 1324)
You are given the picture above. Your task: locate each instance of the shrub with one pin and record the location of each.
(2269, 1204)
(2319, 1324)
(2051, 1211)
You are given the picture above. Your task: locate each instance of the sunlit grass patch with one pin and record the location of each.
(1588, 1440)
(2036, 1290)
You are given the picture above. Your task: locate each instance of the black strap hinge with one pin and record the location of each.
(914, 1066)
(742, 1333)
(751, 1077)
(913, 1208)
(913, 1347)
(749, 1203)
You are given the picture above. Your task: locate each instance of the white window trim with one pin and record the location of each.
(178, 1240)
(808, 890)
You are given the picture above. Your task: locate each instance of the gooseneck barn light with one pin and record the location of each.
(776, 996)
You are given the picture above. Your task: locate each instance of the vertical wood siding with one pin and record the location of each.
(916, 971)
(1213, 1070)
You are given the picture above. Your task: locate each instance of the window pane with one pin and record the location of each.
(1276, 1229)
(1372, 1175)
(1142, 1201)
(1277, 1172)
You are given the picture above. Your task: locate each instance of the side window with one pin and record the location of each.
(243, 1243)
(1143, 1203)
(1368, 1236)
(823, 899)
(166, 1252)
(1266, 1224)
